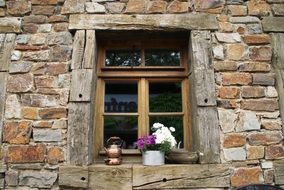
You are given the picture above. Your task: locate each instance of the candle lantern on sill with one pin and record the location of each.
(113, 151)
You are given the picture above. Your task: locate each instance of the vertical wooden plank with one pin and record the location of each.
(278, 62)
(3, 79)
(90, 53)
(81, 85)
(209, 135)
(5, 51)
(279, 172)
(78, 133)
(78, 49)
(205, 131)
(203, 70)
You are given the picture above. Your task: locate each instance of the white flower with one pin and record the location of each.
(163, 134)
(172, 129)
(157, 125)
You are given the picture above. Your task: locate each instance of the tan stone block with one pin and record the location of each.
(228, 104)
(225, 27)
(26, 154)
(30, 113)
(234, 140)
(260, 105)
(254, 66)
(278, 9)
(60, 27)
(56, 68)
(20, 83)
(43, 10)
(268, 176)
(30, 28)
(229, 92)
(19, 7)
(253, 92)
(2, 12)
(265, 138)
(136, 6)
(246, 176)
(274, 152)
(37, 19)
(57, 18)
(236, 78)
(237, 10)
(270, 124)
(45, 81)
(258, 8)
(55, 155)
(53, 113)
(256, 39)
(44, 2)
(255, 152)
(157, 6)
(178, 7)
(42, 124)
(17, 132)
(223, 18)
(115, 7)
(225, 66)
(217, 10)
(236, 51)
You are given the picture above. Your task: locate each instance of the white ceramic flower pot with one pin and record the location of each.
(153, 158)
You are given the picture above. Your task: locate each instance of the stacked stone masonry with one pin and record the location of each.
(36, 44)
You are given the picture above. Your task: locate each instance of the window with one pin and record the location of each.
(140, 82)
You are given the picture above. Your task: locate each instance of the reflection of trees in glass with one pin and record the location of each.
(122, 58)
(160, 57)
(166, 102)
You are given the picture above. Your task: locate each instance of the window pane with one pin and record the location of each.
(171, 121)
(125, 57)
(162, 57)
(165, 97)
(124, 127)
(120, 97)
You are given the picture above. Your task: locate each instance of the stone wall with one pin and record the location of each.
(36, 47)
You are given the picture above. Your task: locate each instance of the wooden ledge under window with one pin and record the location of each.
(137, 176)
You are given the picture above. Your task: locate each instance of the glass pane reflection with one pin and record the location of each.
(120, 97)
(125, 57)
(162, 57)
(124, 127)
(165, 97)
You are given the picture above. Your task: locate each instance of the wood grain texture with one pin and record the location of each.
(203, 68)
(205, 132)
(78, 49)
(104, 177)
(273, 24)
(6, 48)
(207, 126)
(73, 176)
(81, 85)
(181, 176)
(79, 131)
(278, 62)
(279, 172)
(90, 53)
(3, 79)
(143, 22)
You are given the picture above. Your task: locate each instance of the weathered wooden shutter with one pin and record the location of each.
(278, 63)
(205, 127)
(83, 83)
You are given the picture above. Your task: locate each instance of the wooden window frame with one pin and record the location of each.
(143, 75)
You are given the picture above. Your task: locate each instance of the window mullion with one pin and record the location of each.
(185, 109)
(142, 107)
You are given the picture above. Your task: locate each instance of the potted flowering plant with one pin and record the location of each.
(155, 146)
